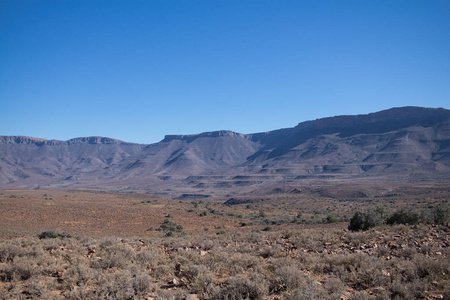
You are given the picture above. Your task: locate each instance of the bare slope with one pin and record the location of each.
(29, 162)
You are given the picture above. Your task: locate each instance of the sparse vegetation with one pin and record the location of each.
(278, 254)
(379, 215)
(295, 264)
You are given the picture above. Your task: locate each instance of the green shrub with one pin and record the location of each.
(404, 217)
(372, 217)
(441, 214)
(169, 227)
(53, 235)
(381, 215)
(330, 219)
(358, 222)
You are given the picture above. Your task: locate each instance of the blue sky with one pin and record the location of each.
(137, 70)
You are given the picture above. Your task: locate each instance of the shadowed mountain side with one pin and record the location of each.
(277, 143)
(412, 151)
(409, 143)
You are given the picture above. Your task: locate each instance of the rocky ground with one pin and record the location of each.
(388, 262)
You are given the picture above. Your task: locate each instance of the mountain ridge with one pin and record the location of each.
(408, 143)
(409, 113)
(18, 139)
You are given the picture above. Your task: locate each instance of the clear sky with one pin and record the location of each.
(136, 70)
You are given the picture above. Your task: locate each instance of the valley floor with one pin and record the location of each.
(94, 245)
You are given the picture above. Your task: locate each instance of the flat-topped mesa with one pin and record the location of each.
(382, 121)
(93, 140)
(18, 139)
(212, 134)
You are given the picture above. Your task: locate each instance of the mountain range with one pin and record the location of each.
(398, 144)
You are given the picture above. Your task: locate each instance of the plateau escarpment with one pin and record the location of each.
(402, 144)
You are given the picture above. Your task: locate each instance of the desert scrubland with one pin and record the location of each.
(287, 245)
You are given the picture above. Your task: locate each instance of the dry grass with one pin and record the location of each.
(111, 253)
(239, 265)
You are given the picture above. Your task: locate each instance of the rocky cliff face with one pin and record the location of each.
(93, 140)
(213, 134)
(409, 143)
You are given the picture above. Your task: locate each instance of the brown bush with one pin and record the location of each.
(293, 263)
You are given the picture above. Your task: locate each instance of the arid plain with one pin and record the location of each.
(289, 244)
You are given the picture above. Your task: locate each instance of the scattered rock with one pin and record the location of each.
(178, 269)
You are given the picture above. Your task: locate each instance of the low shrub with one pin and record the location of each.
(370, 218)
(249, 286)
(330, 219)
(53, 235)
(441, 214)
(404, 217)
(381, 215)
(309, 289)
(170, 227)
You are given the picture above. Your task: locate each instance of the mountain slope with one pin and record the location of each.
(409, 143)
(28, 162)
(191, 155)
